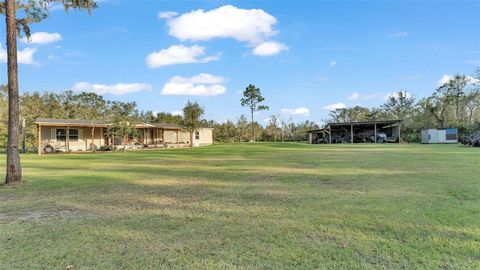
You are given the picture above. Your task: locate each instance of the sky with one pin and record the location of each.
(307, 57)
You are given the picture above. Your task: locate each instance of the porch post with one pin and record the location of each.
(329, 134)
(39, 138)
(399, 128)
(163, 135)
(68, 139)
(351, 133)
(177, 136)
(144, 136)
(93, 139)
(375, 125)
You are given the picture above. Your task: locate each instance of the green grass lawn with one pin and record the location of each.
(271, 206)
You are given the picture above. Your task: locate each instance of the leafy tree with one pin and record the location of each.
(124, 117)
(400, 105)
(192, 112)
(168, 118)
(353, 114)
(35, 11)
(274, 127)
(453, 91)
(242, 124)
(252, 97)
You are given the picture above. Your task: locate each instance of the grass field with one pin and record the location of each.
(246, 206)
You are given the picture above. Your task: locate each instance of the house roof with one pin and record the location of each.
(96, 123)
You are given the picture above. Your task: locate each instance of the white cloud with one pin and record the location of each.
(179, 54)
(297, 112)
(334, 106)
(269, 48)
(114, 89)
(24, 56)
(332, 64)
(360, 96)
(254, 26)
(177, 113)
(395, 94)
(446, 78)
(199, 85)
(42, 38)
(248, 25)
(398, 34)
(167, 14)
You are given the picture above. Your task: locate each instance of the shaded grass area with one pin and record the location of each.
(246, 206)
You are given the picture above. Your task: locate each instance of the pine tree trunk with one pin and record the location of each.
(253, 128)
(14, 169)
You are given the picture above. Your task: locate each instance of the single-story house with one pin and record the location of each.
(84, 135)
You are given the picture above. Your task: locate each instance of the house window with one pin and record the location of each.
(61, 134)
(197, 135)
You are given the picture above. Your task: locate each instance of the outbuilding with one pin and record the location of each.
(380, 131)
(443, 135)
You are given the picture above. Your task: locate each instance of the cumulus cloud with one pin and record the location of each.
(179, 54)
(42, 38)
(114, 89)
(446, 78)
(396, 95)
(332, 64)
(297, 112)
(254, 26)
(167, 14)
(335, 106)
(360, 96)
(177, 113)
(202, 84)
(269, 48)
(24, 56)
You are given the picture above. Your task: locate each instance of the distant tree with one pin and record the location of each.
(242, 124)
(353, 114)
(168, 118)
(399, 105)
(35, 11)
(273, 127)
(453, 91)
(252, 97)
(192, 113)
(124, 117)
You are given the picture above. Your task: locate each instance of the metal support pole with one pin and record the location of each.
(39, 138)
(351, 133)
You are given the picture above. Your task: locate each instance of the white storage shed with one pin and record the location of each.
(433, 135)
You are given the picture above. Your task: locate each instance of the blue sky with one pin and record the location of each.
(305, 56)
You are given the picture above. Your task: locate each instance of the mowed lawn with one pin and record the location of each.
(272, 206)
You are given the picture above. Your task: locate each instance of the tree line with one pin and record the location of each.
(89, 106)
(456, 104)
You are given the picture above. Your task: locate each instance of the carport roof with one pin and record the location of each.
(381, 122)
(388, 122)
